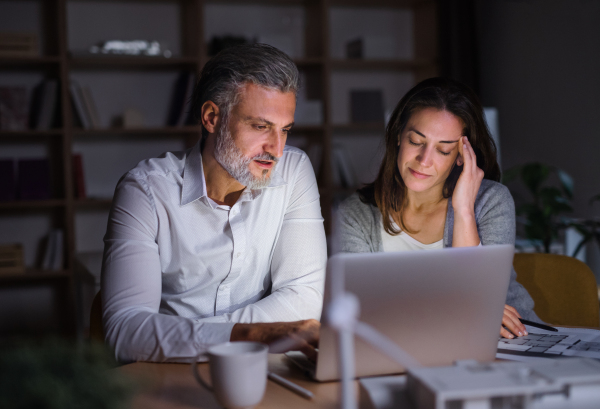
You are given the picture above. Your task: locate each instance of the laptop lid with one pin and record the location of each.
(438, 305)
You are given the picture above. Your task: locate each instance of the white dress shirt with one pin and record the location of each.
(179, 270)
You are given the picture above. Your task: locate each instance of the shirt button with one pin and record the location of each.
(238, 254)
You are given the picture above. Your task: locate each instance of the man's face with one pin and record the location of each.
(251, 140)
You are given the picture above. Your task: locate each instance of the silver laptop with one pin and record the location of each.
(438, 305)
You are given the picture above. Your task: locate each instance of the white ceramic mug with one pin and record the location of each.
(238, 371)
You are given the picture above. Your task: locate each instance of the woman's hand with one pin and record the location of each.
(467, 186)
(463, 199)
(510, 320)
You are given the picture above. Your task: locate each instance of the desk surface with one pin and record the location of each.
(169, 386)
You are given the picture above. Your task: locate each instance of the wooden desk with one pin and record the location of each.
(173, 386)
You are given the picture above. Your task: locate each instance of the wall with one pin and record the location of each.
(539, 67)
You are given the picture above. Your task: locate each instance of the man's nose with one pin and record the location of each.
(276, 143)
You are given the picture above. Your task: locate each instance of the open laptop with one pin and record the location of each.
(439, 306)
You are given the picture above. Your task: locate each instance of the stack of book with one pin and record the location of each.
(44, 106)
(11, 259)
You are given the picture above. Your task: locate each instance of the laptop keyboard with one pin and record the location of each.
(548, 344)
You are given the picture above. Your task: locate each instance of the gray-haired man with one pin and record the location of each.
(224, 241)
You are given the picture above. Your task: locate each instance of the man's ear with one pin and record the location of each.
(210, 116)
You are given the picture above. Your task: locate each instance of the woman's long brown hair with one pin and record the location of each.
(388, 191)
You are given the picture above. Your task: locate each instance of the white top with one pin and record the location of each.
(179, 270)
(403, 242)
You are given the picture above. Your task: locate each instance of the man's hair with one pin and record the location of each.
(224, 75)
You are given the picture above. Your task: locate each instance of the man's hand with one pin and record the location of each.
(284, 336)
(510, 320)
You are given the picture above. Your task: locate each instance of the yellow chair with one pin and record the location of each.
(96, 329)
(563, 288)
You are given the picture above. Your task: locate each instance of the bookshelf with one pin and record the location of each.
(315, 54)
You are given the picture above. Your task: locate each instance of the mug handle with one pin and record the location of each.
(197, 375)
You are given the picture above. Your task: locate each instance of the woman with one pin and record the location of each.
(437, 187)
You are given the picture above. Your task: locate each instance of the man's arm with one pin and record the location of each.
(131, 287)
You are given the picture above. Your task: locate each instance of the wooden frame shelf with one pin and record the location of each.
(357, 128)
(32, 276)
(159, 131)
(92, 203)
(117, 62)
(30, 133)
(317, 65)
(381, 65)
(29, 63)
(32, 204)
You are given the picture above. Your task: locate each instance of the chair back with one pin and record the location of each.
(563, 288)
(96, 329)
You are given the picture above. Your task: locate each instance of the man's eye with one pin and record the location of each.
(260, 127)
(287, 131)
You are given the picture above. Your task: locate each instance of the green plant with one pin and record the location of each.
(541, 214)
(55, 374)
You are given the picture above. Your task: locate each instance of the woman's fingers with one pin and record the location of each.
(510, 320)
(505, 333)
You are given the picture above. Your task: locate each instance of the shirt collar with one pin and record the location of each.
(194, 183)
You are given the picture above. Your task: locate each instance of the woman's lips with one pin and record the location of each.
(264, 164)
(418, 175)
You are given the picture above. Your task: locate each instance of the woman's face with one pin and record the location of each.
(429, 149)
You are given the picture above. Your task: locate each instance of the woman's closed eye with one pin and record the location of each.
(410, 141)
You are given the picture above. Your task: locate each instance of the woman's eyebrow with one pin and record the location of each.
(419, 133)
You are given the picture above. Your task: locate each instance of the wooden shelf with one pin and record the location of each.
(92, 203)
(30, 134)
(162, 131)
(112, 62)
(359, 128)
(33, 276)
(380, 3)
(381, 65)
(32, 204)
(300, 129)
(29, 63)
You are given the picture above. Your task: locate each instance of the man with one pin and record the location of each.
(224, 241)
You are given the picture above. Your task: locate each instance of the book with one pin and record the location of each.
(180, 101)
(53, 253)
(80, 112)
(90, 107)
(18, 44)
(366, 106)
(8, 183)
(11, 259)
(33, 179)
(14, 112)
(78, 177)
(43, 106)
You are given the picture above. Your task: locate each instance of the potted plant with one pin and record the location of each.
(550, 190)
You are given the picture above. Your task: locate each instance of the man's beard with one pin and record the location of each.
(231, 158)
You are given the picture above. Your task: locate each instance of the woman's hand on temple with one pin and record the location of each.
(467, 186)
(510, 320)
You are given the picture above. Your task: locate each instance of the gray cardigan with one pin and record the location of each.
(360, 232)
